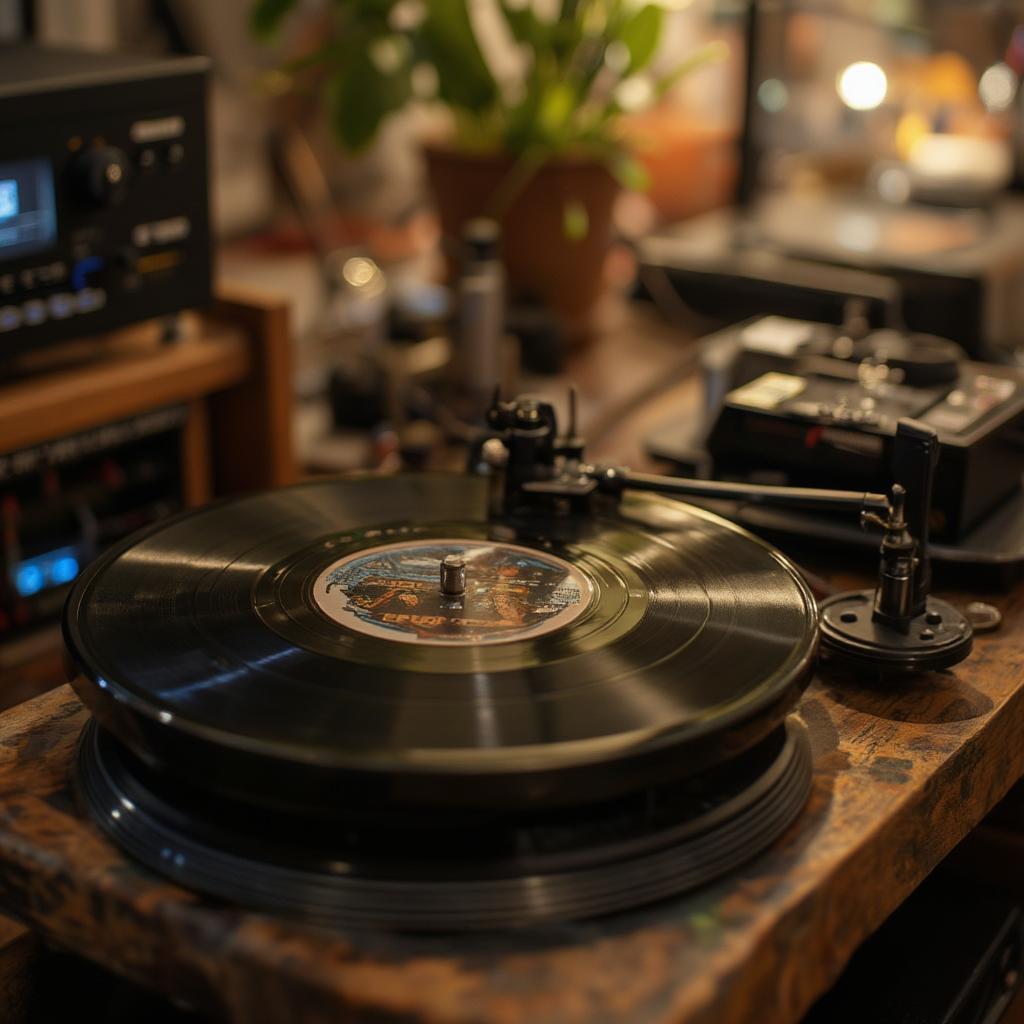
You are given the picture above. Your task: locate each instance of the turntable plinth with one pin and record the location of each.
(901, 775)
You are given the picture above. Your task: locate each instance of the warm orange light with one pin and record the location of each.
(911, 128)
(948, 78)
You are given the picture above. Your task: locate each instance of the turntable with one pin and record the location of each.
(437, 722)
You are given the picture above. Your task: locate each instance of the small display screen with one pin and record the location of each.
(28, 210)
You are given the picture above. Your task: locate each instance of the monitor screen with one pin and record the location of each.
(28, 210)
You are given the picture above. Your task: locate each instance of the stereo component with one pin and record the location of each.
(103, 192)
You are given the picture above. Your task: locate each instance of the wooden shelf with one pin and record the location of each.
(231, 366)
(86, 384)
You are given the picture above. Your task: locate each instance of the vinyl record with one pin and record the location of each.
(293, 650)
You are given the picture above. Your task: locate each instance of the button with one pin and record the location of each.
(175, 153)
(155, 129)
(35, 311)
(142, 235)
(10, 318)
(62, 305)
(147, 159)
(83, 268)
(90, 299)
(27, 278)
(173, 229)
(52, 273)
(6, 284)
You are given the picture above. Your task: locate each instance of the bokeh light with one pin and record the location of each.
(862, 85)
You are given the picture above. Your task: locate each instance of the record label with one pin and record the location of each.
(511, 593)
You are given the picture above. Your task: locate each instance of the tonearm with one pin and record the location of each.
(898, 626)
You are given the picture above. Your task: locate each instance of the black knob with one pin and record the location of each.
(101, 176)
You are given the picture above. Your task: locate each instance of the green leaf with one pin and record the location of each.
(360, 97)
(266, 15)
(630, 173)
(564, 36)
(641, 34)
(555, 111)
(524, 24)
(575, 221)
(380, 8)
(447, 38)
(566, 101)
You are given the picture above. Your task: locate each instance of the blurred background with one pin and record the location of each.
(849, 124)
(882, 135)
(447, 196)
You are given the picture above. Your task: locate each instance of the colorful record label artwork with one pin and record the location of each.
(394, 592)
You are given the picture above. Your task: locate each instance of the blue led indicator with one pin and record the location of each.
(29, 580)
(52, 569)
(63, 569)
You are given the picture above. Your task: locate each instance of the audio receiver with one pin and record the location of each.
(103, 192)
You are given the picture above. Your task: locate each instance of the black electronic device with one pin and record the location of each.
(794, 257)
(527, 694)
(65, 501)
(103, 192)
(816, 406)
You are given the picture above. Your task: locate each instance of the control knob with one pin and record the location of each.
(101, 175)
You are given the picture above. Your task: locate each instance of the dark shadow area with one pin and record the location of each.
(69, 988)
(936, 698)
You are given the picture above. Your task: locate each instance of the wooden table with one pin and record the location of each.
(901, 774)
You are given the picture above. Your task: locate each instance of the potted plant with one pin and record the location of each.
(534, 143)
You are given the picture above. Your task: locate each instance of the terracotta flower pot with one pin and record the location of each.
(692, 165)
(542, 261)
